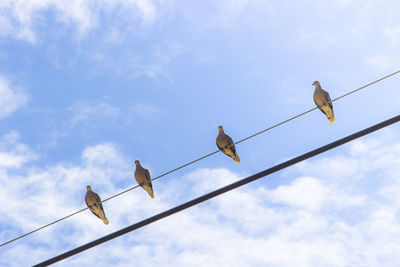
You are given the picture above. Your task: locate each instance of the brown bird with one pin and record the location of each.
(93, 201)
(322, 99)
(142, 176)
(225, 144)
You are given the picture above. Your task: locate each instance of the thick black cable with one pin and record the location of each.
(222, 190)
(201, 158)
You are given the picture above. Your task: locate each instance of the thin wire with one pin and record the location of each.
(258, 133)
(47, 225)
(206, 156)
(308, 111)
(222, 190)
(158, 177)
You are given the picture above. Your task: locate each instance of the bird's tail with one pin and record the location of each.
(105, 221)
(149, 190)
(236, 158)
(151, 193)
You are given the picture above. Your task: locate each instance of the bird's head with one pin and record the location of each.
(220, 128)
(88, 188)
(316, 83)
(137, 162)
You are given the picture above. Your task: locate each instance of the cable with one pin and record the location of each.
(308, 111)
(222, 190)
(201, 158)
(123, 192)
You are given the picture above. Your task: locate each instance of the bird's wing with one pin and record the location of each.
(319, 107)
(327, 98)
(91, 202)
(147, 174)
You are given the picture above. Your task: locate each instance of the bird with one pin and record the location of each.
(142, 176)
(225, 144)
(323, 101)
(93, 201)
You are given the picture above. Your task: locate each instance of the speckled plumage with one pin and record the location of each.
(322, 99)
(93, 201)
(142, 176)
(225, 144)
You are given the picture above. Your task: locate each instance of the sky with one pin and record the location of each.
(88, 87)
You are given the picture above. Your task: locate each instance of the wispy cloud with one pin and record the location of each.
(21, 19)
(152, 62)
(120, 25)
(14, 154)
(10, 99)
(393, 34)
(380, 62)
(98, 113)
(147, 112)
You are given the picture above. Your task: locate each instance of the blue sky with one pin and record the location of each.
(87, 87)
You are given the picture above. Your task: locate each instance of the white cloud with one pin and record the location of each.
(313, 220)
(20, 18)
(101, 154)
(118, 24)
(10, 99)
(305, 192)
(14, 154)
(56, 190)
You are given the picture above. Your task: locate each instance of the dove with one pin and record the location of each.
(225, 144)
(321, 99)
(142, 176)
(93, 201)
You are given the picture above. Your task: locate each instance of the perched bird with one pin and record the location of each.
(142, 176)
(321, 99)
(93, 201)
(225, 144)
